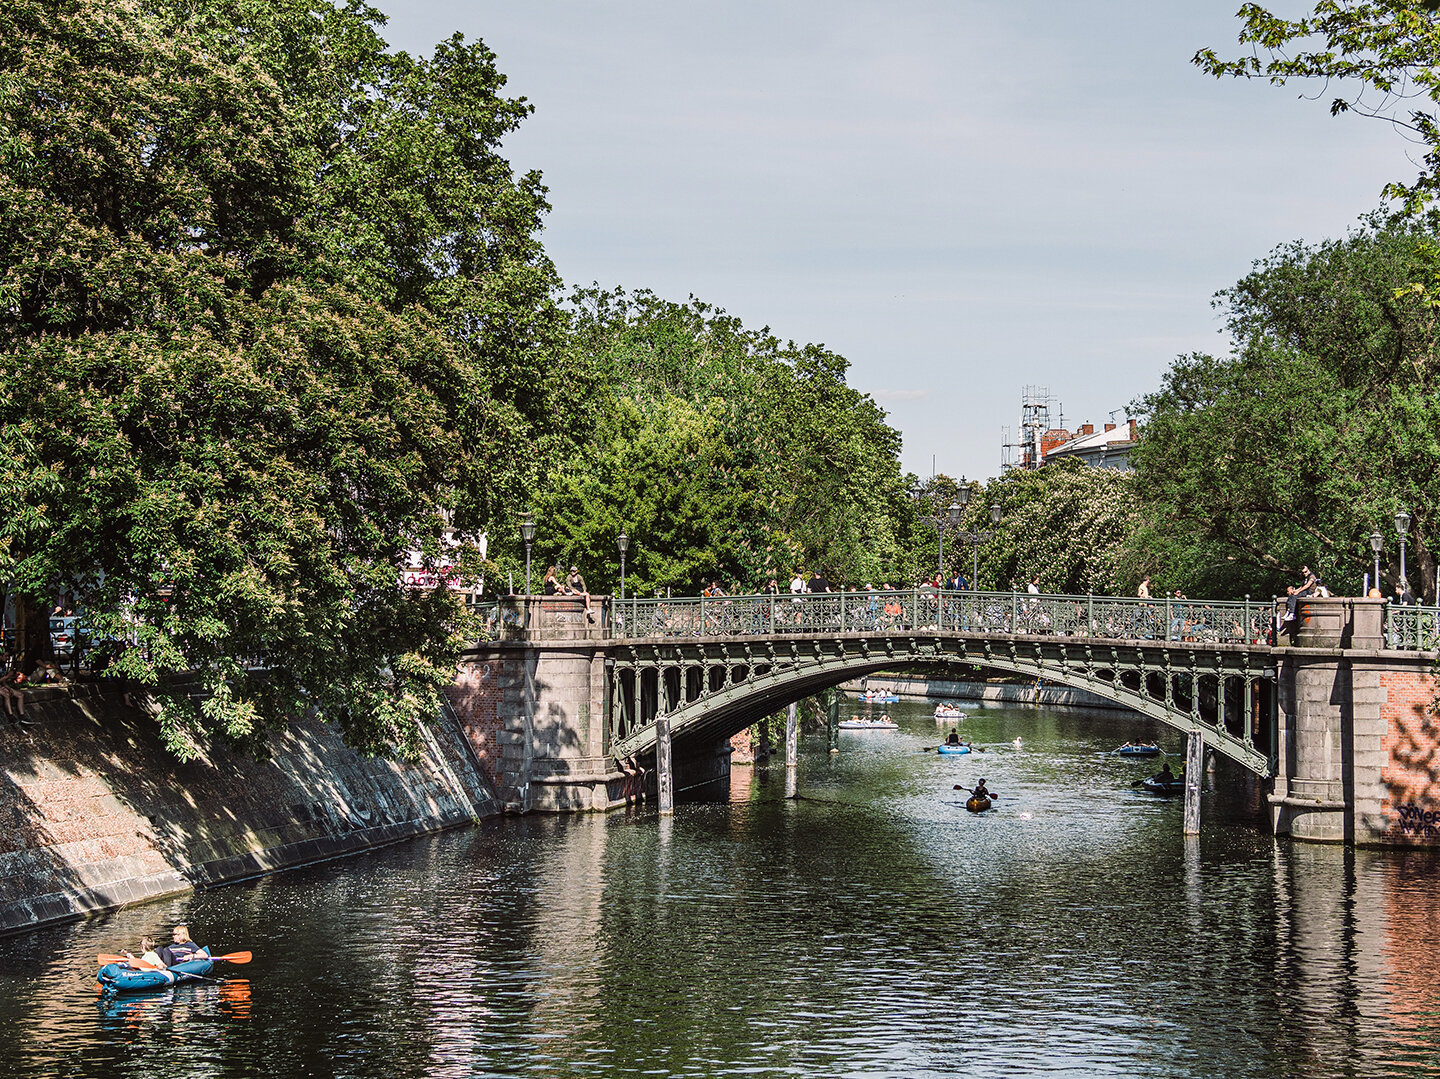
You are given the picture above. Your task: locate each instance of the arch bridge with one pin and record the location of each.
(584, 705)
(712, 667)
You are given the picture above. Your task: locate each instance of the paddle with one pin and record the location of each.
(233, 957)
(198, 977)
(968, 790)
(105, 960)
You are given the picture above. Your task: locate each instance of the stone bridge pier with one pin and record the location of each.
(1357, 754)
(533, 706)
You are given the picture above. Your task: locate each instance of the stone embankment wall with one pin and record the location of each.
(996, 693)
(95, 814)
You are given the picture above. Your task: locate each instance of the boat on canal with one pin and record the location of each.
(1142, 750)
(123, 978)
(977, 803)
(879, 723)
(1156, 785)
(877, 696)
(948, 711)
(956, 749)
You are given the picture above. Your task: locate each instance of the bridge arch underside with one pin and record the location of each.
(711, 689)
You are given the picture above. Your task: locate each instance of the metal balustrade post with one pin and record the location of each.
(1249, 628)
(842, 610)
(1014, 611)
(701, 626)
(1090, 615)
(1168, 620)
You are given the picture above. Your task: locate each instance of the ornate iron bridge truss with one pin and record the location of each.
(713, 666)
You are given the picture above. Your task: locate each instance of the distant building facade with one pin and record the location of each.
(1107, 448)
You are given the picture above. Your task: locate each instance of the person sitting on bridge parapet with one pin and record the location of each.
(575, 586)
(1295, 593)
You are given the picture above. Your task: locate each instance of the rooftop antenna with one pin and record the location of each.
(1112, 413)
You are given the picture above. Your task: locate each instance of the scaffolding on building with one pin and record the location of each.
(1027, 449)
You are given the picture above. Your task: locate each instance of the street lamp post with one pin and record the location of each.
(527, 533)
(976, 538)
(950, 520)
(622, 541)
(1377, 544)
(1402, 526)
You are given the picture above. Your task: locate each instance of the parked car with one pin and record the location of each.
(65, 636)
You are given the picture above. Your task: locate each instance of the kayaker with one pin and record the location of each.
(149, 957)
(981, 791)
(181, 949)
(1164, 775)
(953, 738)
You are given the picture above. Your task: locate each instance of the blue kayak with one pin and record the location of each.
(879, 698)
(119, 978)
(953, 750)
(1139, 751)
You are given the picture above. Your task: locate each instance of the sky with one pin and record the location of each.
(962, 198)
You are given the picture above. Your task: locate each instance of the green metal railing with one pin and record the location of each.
(1412, 629)
(926, 610)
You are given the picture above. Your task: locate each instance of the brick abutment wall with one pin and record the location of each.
(1411, 774)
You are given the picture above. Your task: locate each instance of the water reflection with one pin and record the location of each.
(870, 926)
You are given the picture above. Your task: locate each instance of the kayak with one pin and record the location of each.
(953, 750)
(119, 978)
(869, 725)
(1139, 751)
(977, 803)
(1160, 786)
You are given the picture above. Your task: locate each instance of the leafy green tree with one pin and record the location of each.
(1067, 523)
(1380, 57)
(776, 462)
(271, 307)
(1319, 425)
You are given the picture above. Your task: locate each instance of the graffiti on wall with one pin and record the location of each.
(1417, 821)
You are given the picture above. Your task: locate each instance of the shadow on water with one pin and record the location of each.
(871, 927)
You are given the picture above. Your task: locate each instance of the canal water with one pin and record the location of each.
(869, 927)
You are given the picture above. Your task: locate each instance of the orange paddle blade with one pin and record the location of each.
(233, 957)
(137, 961)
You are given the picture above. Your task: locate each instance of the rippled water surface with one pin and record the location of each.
(870, 927)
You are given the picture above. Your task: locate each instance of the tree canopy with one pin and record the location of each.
(1320, 424)
(271, 304)
(1380, 59)
(723, 453)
